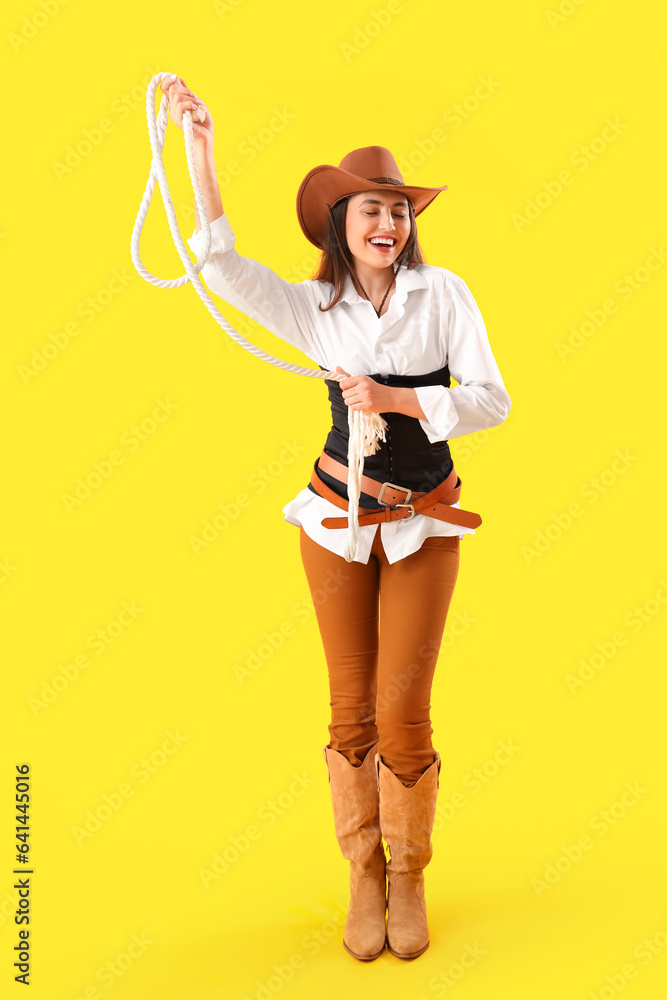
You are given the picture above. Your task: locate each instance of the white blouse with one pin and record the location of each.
(431, 321)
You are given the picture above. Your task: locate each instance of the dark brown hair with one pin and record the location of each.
(333, 267)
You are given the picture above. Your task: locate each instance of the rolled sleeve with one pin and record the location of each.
(480, 400)
(283, 307)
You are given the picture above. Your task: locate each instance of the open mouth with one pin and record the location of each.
(385, 244)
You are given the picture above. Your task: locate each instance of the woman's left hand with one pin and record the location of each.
(361, 392)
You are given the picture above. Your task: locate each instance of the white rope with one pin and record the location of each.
(365, 435)
(366, 426)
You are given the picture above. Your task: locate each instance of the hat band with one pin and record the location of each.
(384, 180)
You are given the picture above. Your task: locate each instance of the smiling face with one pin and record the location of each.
(377, 226)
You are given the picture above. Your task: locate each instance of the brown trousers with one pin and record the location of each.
(382, 626)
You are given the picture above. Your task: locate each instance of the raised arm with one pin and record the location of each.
(208, 178)
(283, 307)
(181, 99)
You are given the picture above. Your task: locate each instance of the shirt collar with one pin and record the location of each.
(406, 281)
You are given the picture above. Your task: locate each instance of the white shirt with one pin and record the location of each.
(431, 321)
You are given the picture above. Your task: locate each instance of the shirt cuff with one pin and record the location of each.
(441, 414)
(222, 237)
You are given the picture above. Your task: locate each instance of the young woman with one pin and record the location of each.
(374, 307)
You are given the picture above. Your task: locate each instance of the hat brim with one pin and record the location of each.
(325, 184)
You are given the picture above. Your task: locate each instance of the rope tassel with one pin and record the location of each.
(367, 428)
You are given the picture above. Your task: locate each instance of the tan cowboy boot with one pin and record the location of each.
(406, 820)
(354, 796)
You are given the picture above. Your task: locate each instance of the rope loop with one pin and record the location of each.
(366, 426)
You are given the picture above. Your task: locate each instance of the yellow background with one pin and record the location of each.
(529, 617)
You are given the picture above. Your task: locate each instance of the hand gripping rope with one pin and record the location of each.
(366, 427)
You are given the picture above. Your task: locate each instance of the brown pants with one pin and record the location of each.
(381, 626)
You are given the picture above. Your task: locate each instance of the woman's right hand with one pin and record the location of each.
(181, 98)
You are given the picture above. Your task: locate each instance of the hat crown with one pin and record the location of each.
(372, 162)
(371, 167)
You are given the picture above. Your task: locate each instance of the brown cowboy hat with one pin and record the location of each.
(370, 168)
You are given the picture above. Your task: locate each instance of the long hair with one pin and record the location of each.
(333, 266)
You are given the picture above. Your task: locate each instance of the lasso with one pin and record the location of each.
(366, 427)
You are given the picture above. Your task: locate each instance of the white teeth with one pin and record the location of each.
(383, 241)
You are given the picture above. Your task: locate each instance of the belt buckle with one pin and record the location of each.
(393, 486)
(412, 509)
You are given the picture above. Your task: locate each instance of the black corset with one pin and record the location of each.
(406, 458)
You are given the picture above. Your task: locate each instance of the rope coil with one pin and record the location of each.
(366, 427)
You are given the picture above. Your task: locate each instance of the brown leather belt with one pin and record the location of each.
(394, 499)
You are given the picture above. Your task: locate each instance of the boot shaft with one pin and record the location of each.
(355, 802)
(407, 816)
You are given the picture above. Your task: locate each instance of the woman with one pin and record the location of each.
(374, 307)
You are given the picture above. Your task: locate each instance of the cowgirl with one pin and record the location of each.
(374, 306)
